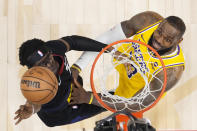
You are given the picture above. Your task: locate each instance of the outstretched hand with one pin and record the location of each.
(79, 95)
(24, 112)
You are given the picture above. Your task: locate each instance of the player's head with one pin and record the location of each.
(168, 34)
(35, 53)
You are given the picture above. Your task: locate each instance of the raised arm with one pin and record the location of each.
(81, 43)
(74, 42)
(123, 30)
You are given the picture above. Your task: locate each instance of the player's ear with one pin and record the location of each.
(180, 40)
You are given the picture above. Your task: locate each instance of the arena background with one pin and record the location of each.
(21, 20)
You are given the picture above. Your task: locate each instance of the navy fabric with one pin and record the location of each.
(58, 112)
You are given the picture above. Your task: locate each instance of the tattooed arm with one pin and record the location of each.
(173, 76)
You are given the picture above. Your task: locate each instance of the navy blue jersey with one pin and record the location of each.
(58, 111)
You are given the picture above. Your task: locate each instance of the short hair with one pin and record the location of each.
(177, 23)
(28, 48)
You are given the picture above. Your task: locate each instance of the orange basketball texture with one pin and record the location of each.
(39, 85)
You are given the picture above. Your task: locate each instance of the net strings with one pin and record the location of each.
(108, 68)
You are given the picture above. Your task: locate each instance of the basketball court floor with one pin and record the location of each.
(21, 20)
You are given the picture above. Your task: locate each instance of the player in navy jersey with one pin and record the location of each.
(51, 54)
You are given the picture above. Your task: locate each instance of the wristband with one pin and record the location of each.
(77, 68)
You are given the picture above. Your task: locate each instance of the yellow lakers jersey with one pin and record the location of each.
(149, 65)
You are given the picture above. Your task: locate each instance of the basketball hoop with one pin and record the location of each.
(104, 75)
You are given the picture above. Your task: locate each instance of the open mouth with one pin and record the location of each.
(156, 45)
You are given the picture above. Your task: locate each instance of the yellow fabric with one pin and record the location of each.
(130, 84)
(91, 99)
(164, 94)
(69, 97)
(77, 68)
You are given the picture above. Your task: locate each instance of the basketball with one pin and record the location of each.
(39, 85)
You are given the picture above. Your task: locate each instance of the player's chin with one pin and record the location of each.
(156, 46)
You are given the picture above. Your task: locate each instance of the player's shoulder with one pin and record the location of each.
(176, 70)
(152, 14)
(140, 21)
(147, 17)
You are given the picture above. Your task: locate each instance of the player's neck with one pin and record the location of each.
(57, 68)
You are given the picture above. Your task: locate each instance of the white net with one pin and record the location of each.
(129, 76)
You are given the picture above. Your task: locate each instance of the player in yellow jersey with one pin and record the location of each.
(163, 34)
(131, 83)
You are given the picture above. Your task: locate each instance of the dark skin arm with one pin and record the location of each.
(79, 95)
(25, 111)
(173, 76)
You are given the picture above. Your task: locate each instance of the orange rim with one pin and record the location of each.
(122, 41)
